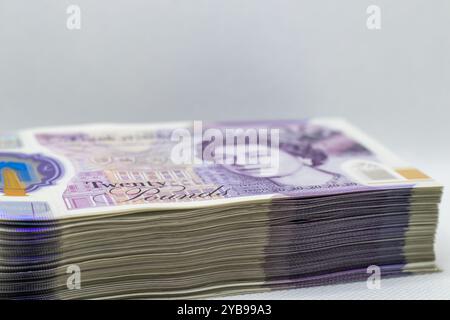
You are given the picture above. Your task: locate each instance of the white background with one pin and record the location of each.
(158, 60)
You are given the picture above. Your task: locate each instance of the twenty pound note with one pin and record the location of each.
(75, 171)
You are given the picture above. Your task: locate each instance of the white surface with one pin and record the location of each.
(428, 286)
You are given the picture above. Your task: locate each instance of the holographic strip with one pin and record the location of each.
(25, 211)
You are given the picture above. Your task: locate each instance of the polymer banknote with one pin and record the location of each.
(83, 170)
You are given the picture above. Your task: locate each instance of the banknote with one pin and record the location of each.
(9, 141)
(93, 169)
(195, 209)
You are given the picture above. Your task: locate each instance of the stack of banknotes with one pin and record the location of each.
(189, 210)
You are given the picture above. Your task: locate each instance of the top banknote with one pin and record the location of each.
(107, 168)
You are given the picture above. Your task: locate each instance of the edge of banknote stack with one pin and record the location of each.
(103, 212)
